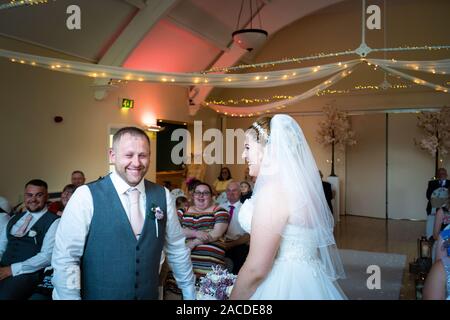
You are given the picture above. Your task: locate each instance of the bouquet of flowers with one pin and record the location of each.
(216, 285)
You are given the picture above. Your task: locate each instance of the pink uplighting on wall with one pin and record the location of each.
(176, 50)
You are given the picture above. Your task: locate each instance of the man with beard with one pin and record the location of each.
(26, 245)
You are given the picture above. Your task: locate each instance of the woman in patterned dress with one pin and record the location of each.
(203, 223)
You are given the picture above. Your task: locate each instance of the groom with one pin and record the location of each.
(110, 239)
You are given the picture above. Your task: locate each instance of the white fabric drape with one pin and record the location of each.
(388, 64)
(339, 70)
(435, 67)
(250, 111)
(247, 80)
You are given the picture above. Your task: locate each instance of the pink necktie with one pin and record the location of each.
(137, 220)
(231, 212)
(21, 231)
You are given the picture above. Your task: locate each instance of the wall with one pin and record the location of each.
(366, 169)
(34, 146)
(387, 173)
(409, 169)
(338, 28)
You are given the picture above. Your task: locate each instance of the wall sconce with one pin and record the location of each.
(155, 128)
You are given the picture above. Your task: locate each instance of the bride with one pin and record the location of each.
(293, 253)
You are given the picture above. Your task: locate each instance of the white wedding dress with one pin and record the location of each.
(297, 272)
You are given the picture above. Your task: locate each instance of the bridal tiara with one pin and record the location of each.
(261, 131)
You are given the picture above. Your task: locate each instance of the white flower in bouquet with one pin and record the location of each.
(229, 289)
(214, 278)
(216, 285)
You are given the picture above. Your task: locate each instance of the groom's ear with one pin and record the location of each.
(112, 156)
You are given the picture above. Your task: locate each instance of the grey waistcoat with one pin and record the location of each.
(114, 265)
(23, 248)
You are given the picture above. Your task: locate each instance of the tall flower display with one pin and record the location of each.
(436, 126)
(335, 130)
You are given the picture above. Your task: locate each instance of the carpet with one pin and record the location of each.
(355, 266)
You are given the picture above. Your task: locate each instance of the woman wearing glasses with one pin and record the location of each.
(204, 223)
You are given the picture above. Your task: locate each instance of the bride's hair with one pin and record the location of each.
(262, 129)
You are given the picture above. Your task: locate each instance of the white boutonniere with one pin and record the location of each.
(157, 214)
(33, 234)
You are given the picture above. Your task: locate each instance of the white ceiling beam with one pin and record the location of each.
(130, 37)
(140, 4)
(202, 24)
(136, 30)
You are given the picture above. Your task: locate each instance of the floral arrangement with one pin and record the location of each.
(216, 285)
(437, 131)
(335, 130)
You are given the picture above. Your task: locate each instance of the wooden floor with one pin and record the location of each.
(379, 235)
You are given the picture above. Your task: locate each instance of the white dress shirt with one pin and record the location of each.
(74, 227)
(234, 230)
(4, 218)
(40, 260)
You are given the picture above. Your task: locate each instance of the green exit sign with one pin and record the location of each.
(127, 104)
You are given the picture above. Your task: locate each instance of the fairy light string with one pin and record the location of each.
(21, 3)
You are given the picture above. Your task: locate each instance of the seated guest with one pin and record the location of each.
(57, 207)
(5, 210)
(440, 181)
(181, 203)
(328, 191)
(246, 191)
(203, 225)
(222, 181)
(45, 288)
(247, 177)
(236, 239)
(441, 221)
(26, 245)
(78, 178)
(436, 284)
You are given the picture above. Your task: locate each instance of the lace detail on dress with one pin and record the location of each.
(294, 250)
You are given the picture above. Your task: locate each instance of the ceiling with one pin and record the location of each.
(165, 35)
(169, 35)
